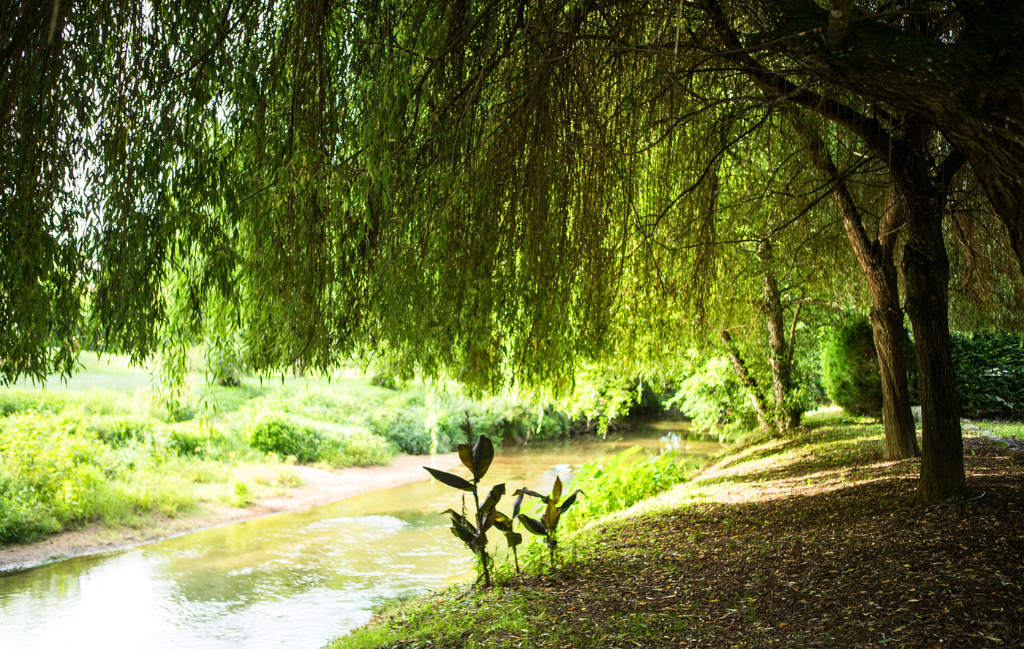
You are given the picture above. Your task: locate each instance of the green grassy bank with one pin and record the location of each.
(807, 541)
(106, 447)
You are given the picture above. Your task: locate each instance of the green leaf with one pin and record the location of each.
(456, 516)
(502, 522)
(570, 501)
(466, 455)
(518, 504)
(528, 492)
(492, 499)
(535, 526)
(488, 521)
(450, 480)
(556, 491)
(551, 516)
(464, 533)
(483, 454)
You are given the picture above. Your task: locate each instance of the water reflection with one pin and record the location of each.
(293, 580)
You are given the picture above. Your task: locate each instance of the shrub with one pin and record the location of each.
(552, 425)
(714, 400)
(23, 517)
(274, 433)
(355, 446)
(189, 439)
(850, 369)
(50, 475)
(385, 381)
(406, 429)
(990, 375)
(15, 401)
(601, 396)
(119, 430)
(621, 483)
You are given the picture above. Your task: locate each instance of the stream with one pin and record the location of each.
(296, 580)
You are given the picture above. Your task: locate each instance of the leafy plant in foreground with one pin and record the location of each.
(477, 458)
(547, 526)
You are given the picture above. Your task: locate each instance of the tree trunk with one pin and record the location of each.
(749, 382)
(877, 261)
(887, 330)
(926, 271)
(897, 417)
(787, 415)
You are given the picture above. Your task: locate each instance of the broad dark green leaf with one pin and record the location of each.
(502, 522)
(456, 516)
(492, 499)
(529, 492)
(488, 521)
(535, 526)
(516, 507)
(450, 480)
(464, 533)
(466, 455)
(483, 454)
(556, 491)
(569, 501)
(513, 539)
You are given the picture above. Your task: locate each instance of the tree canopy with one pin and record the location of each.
(496, 189)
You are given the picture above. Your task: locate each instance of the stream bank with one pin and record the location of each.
(812, 540)
(319, 487)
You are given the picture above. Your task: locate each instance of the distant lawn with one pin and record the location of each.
(109, 372)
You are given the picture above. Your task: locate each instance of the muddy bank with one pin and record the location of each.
(319, 487)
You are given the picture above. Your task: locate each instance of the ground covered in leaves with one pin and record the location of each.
(806, 542)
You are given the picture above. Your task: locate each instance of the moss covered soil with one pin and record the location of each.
(808, 541)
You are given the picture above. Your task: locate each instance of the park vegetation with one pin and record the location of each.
(801, 541)
(108, 449)
(507, 193)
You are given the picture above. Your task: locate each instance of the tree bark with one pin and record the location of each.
(887, 329)
(753, 390)
(787, 415)
(877, 261)
(926, 272)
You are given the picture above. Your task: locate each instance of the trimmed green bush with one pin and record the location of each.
(849, 368)
(274, 433)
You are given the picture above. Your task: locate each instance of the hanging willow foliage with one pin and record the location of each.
(459, 187)
(489, 190)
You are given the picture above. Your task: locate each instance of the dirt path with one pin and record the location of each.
(319, 487)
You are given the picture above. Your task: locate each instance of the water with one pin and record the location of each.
(295, 580)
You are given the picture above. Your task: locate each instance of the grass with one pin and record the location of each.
(812, 540)
(1001, 428)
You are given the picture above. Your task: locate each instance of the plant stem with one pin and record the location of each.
(480, 534)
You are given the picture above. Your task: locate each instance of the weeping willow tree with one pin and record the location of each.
(487, 190)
